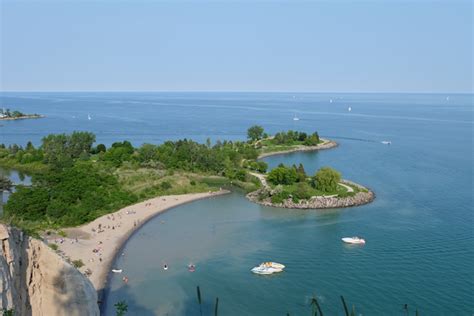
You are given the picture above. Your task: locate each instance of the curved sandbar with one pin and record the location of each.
(326, 144)
(97, 247)
(319, 202)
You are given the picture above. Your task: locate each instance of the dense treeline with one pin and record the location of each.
(75, 181)
(80, 181)
(257, 133)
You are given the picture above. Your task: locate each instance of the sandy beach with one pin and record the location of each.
(97, 242)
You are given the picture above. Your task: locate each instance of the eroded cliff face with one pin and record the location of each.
(35, 281)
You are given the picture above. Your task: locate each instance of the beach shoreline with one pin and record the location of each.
(97, 243)
(327, 144)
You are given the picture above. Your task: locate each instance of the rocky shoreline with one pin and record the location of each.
(24, 117)
(325, 145)
(319, 202)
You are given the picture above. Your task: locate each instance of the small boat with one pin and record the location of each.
(386, 142)
(265, 270)
(349, 109)
(165, 267)
(117, 270)
(295, 118)
(191, 267)
(330, 101)
(354, 240)
(274, 265)
(89, 117)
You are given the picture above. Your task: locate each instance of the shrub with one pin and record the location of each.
(53, 246)
(303, 191)
(280, 197)
(165, 185)
(78, 263)
(283, 175)
(326, 179)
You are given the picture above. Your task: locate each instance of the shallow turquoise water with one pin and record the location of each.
(420, 248)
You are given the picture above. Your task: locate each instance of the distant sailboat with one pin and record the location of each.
(349, 109)
(447, 98)
(330, 101)
(89, 117)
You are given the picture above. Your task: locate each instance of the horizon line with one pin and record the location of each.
(233, 91)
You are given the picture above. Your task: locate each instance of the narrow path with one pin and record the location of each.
(349, 189)
(261, 177)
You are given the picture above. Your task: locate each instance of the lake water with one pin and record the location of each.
(419, 230)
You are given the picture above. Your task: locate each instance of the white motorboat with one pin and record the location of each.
(265, 270)
(386, 142)
(295, 118)
(354, 240)
(349, 109)
(117, 270)
(274, 265)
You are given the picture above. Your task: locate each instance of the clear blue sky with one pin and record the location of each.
(333, 46)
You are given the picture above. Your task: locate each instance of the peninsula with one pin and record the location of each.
(86, 200)
(7, 115)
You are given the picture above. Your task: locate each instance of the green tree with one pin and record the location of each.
(312, 140)
(301, 173)
(55, 148)
(29, 146)
(121, 308)
(283, 175)
(303, 191)
(326, 179)
(79, 143)
(255, 133)
(101, 148)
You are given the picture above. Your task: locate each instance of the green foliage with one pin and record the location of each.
(255, 133)
(60, 150)
(121, 308)
(101, 148)
(118, 153)
(280, 197)
(326, 179)
(260, 166)
(8, 312)
(53, 246)
(301, 173)
(294, 138)
(78, 263)
(303, 191)
(165, 185)
(283, 175)
(68, 197)
(312, 140)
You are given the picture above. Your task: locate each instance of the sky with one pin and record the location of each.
(317, 46)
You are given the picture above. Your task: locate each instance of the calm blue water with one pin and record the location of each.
(420, 248)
